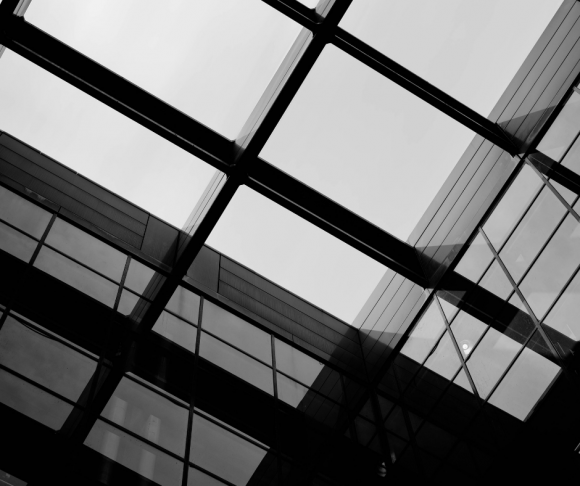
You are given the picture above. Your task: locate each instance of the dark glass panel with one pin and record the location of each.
(512, 206)
(553, 268)
(223, 453)
(198, 478)
(33, 402)
(238, 332)
(476, 259)
(44, 360)
(563, 130)
(10, 479)
(397, 445)
(176, 330)
(365, 430)
(532, 233)
(16, 243)
(444, 360)
(564, 316)
(396, 423)
(149, 415)
(524, 385)
(297, 364)
(490, 359)
(138, 277)
(424, 334)
(572, 158)
(496, 281)
(435, 440)
(87, 249)
(514, 320)
(467, 330)
(134, 454)
(236, 362)
(76, 276)
(16, 210)
(291, 391)
(185, 304)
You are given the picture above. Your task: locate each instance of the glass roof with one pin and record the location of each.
(365, 142)
(469, 49)
(96, 141)
(293, 253)
(211, 59)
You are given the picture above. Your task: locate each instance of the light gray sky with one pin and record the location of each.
(350, 133)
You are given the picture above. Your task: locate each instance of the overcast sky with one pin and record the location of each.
(349, 133)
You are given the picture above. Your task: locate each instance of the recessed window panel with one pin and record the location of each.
(223, 453)
(176, 330)
(134, 454)
(236, 331)
(16, 243)
(138, 277)
(44, 360)
(76, 276)
(211, 59)
(444, 360)
(295, 254)
(96, 141)
(430, 38)
(361, 140)
(87, 249)
(424, 334)
(23, 214)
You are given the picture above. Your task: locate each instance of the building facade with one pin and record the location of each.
(132, 353)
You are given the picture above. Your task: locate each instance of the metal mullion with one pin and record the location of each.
(121, 285)
(18, 229)
(296, 11)
(237, 349)
(209, 473)
(158, 391)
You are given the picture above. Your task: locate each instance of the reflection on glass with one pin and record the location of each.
(236, 362)
(138, 276)
(197, 478)
(44, 360)
(476, 259)
(526, 382)
(223, 453)
(149, 415)
(424, 335)
(33, 402)
(553, 268)
(496, 281)
(564, 316)
(512, 206)
(532, 233)
(76, 276)
(563, 130)
(15, 243)
(134, 454)
(444, 360)
(296, 364)
(236, 331)
(467, 330)
(490, 359)
(87, 249)
(176, 330)
(185, 304)
(21, 213)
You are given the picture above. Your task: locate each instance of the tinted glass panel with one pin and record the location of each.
(149, 415)
(21, 213)
(476, 259)
(134, 454)
(572, 158)
(197, 478)
(127, 302)
(290, 391)
(563, 130)
(33, 402)
(238, 332)
(223, 453)
(44, 360)
(138, 276)
(444, 359)
(496, 282)
(467, 331)
(176, 330)
(237, 363)
(76, 276)
(185, 304)
(15, 243)
(424, 335)
(296, 364)
(564, 316)
(86, 249)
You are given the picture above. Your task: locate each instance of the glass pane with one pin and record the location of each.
(360, 139)
(292, 392)
(448, 309)
(568, 195)
(76, 276)
(467, 331)
(127, 302)
(149, 415)
(125, 449)
(87, 249)
(238, 332)
(512, 206)
(462, 381)
(496, 281)
(223, 453)
(572, 158)
(205, 56)
(10, 479)
(532, 233)
(524, 385)
(44, 360)
(297, 364)
(476, 259)
(237, 363)
(396, 423)
(16, 210)
(430, 37)
(564, 316)
(444, 360)
(562, 132)
(138, 276)
(424, 335)
(15, 243)
(33, 402)
(176, 330)
(490, 359)
(185, 304)
(197, 478)
(553, 268)
(96, 141)
(514, 320)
